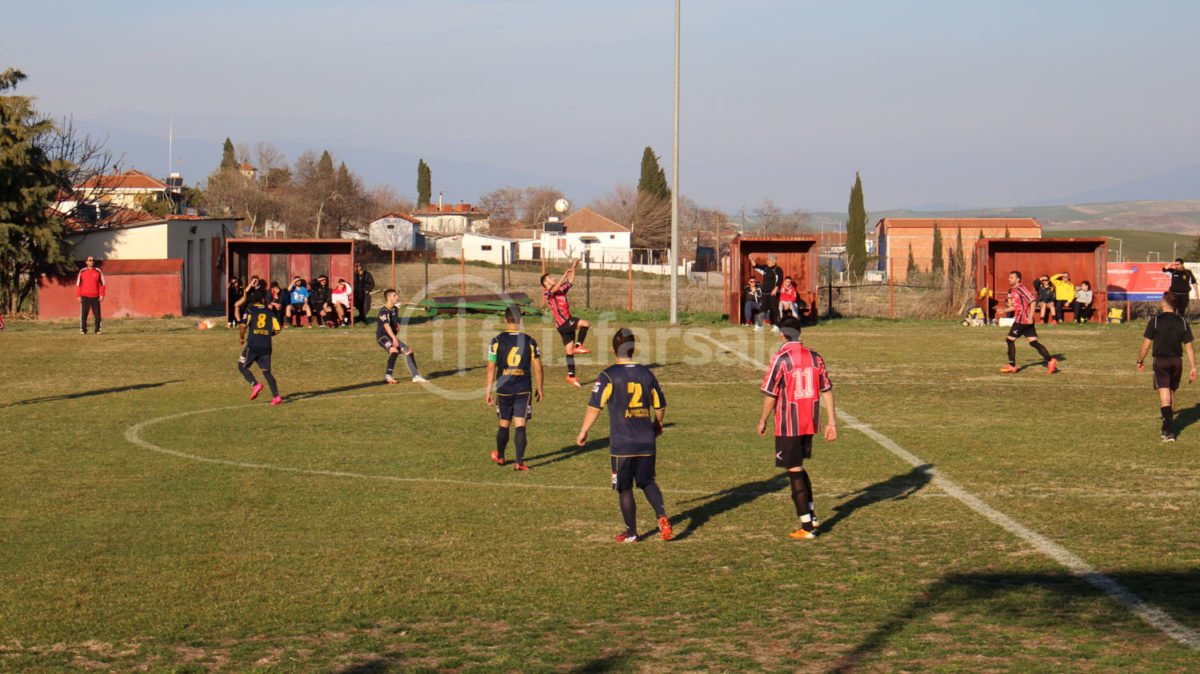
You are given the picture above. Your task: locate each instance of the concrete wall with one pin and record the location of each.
(394, 234)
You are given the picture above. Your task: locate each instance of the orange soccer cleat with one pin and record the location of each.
(573, 380)
(664, 528)
(1008, 369)
(1052, 366)
(497, 458)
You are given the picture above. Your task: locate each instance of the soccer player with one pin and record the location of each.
(89, 288)
(1182, 283)
(385, 335)
(635, 412)
(1171, 337)
(555, 293)
(262, 324)
(795, 386)
(1021, 303)
(519, 358)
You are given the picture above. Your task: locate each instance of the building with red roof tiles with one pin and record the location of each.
(895, 237)
(128, 190)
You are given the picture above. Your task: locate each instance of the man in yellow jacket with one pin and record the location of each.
(1064, 293)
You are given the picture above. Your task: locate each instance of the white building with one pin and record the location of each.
(452, 219)
(396, 231)
(584, 230)
(478, 248)
(198, 241)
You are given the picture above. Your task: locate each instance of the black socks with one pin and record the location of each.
(501, 440)
(519, 442)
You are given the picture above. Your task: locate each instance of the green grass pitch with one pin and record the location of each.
(152, 518)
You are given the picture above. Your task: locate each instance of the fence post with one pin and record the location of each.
(891, 291)
(587, 266)
(725, 285)
(425, 255)
(462, 265)
(631, 279)
(502, 255)
(829, 310)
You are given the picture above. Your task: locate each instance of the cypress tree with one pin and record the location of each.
(654, 179)
(913, 270)
(325, 168)
(937, 266)
(424, 184)
(228, 158)
(856, 231)
(957, 267)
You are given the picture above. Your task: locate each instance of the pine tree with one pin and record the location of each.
(937, 266)
(32, 239)
(229, 160)
(957, 261)
(856, 231)
(913, 270)
(325, 168)
(424, 184)
(652, 214)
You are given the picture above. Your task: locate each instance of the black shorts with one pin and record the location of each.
(1168, 372)
(386, 343)
(250, 357)
(1181, 301)
(514, 406)
(567, 330)
(1022, 329)
(298, 308)
(792, 450)
(628, 470)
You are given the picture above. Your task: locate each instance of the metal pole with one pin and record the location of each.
(587, 264)
(891, 291)
(462, 262)
(829, 310)
(502, 253)
(393, 266)
(631, 280)
(675, 188)
(425, 254)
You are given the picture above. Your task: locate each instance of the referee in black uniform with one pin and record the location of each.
(1171, 337)
(1182, 282)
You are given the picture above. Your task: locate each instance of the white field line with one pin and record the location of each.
(1151, 614)
(134, 435)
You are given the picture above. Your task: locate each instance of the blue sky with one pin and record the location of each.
(965, 102)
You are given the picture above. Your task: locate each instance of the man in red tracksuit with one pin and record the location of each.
(89, 288)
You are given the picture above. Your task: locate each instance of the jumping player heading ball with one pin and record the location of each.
(555, 293)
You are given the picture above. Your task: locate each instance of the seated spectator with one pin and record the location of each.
(343, 301)
(1081, 306)
(1045, 300)
(787, 297)
(320, 299)
(752, 306)
(275, 300)
(1064, 293)
(298, 302)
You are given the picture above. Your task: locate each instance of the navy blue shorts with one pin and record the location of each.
(250, 357)
(514, 406)
(628, 470)
(386, 343)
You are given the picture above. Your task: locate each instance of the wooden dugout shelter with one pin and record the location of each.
(796, 255)
(1083, 259)
(281, 260)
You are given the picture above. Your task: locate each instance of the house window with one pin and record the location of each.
(612, 236)
(488, 247)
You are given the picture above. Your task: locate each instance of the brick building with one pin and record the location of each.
(894, 236)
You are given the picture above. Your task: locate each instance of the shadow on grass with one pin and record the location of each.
(450, 373)
(610, 663)
(86, 394)
(305, 395)
(1186, 417)
(374, 666)
(723, 501)
(569, 452)
(895, 488)
(1064, 599)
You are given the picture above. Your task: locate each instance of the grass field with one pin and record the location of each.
(153, 518)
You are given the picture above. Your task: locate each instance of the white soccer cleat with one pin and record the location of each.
(420, 380)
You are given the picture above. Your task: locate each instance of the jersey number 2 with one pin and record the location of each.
(635, 394)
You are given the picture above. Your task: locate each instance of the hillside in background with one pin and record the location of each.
(1131, 245)
(1175, 217)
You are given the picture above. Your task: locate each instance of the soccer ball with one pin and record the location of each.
(204, 325)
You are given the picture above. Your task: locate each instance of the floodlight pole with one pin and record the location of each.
(675, 188)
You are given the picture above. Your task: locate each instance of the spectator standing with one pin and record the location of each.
(89, 288)
(1064, 293)
(364, 283)
(1081, 307)
(1182, 283)
(752, 304)
(233, 294)
(771, 281)
(1171, 337)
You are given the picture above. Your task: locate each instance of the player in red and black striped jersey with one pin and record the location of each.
(636, 406)
(520, 368)
(795, 386)
(1021, 303)
(555, 294)
(261, 324)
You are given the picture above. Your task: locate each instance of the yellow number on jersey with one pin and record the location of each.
(635, 394)
(514, 356)
(261, 321)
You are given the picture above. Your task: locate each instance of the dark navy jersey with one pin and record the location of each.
(260, 324)
(387, 317)
(513, 353)
(632, 394)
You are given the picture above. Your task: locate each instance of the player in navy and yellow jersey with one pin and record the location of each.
(555, 294)
(1021, 303)
(635, 412)
(519, 383)
(795, 386)
(261, 324)
(385, 336)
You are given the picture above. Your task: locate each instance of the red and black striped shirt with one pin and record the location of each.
(796, 379)
(557, 301)
(1022, 299)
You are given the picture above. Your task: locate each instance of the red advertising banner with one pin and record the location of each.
(1139, 281)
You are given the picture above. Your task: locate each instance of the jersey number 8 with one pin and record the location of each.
(261, 321)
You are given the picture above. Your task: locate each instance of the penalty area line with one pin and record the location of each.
(1152, 615)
